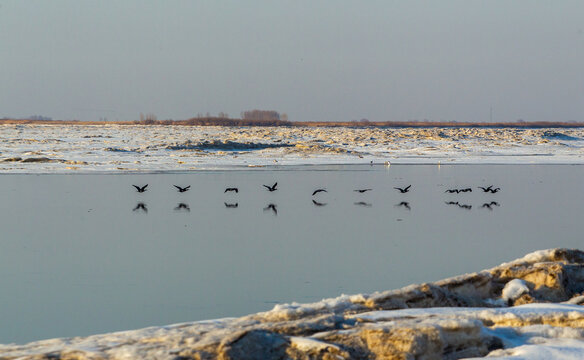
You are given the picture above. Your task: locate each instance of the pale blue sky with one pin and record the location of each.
(314, 60)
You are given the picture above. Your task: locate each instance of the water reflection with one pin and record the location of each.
(182, 207)
(140, 207)
(490, 205)
(462, 206)
(316, 203)
(272, 207)
(231, 206)
(404, 204)
(363, 203)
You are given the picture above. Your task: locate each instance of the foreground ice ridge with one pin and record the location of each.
(525, 309)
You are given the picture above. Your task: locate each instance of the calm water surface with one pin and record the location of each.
(79, 256)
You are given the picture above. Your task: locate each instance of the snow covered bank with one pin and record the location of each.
(527, 308)
(115, 148)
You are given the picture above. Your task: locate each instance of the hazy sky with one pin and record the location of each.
(314, 60)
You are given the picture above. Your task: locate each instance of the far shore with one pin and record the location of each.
(216, 121)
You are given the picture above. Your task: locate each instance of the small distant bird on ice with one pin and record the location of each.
(231, 189)
(140, 189)
(182, 189)
(317, 191)
(362, 190)
(271, 188)
(404, 190)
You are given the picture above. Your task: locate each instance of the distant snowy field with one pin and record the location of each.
(119, 148)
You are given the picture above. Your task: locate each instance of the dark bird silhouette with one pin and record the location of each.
(450, 191)
(272, 207)
(362, 190)
(462, 206)
(141, 207)
(495, 190)
(182, 206)
(231, 189)
(318, 203)
(404, 190)
(490, 205)
(487, 189)
(363, 203)
(182, 189)
(466, 190)
(140, 189)
(231, 206)
(404, 204)
(317, 191)
(271, 188)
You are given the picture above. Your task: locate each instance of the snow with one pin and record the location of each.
(514, 289)
(118, 148)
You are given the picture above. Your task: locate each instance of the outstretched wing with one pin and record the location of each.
(408, 187)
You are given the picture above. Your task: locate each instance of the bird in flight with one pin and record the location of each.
(486, 189)
(495, 190)
(271, 188)
(450, 191)
(231, 206)
(362, 190)
(231, 189)
(363, 203)
(140, 189)
(404, 190)
(182, 189)
(317, 191)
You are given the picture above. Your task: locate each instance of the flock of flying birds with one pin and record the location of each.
(272, 207)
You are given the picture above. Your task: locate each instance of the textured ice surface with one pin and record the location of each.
(120, 148)
(411, 322)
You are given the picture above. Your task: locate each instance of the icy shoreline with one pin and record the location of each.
(527, 308)
(117, 148)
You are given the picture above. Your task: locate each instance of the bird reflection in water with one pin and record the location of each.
(462, 206)
(316, 203)
(404, 204)
(140, 207)
(182, 207)
(490, 205)
(273, 208)
(363, 203)
(231, 206)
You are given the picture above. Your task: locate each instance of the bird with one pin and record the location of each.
(231, 189)
(231, 206)
(140, 189)
(271, 188)
(487, 189)
(318, 203)
(272, 207)
(141, 206)
(404, 204)
(317, 191)
(404, 190)
(362, 190)
(466, 190)
(182, 206)
(182, 189)
(450, 191)
(495, 190)
(490, 205)
(462, 206)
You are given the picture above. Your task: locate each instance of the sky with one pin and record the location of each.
(313, 60)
